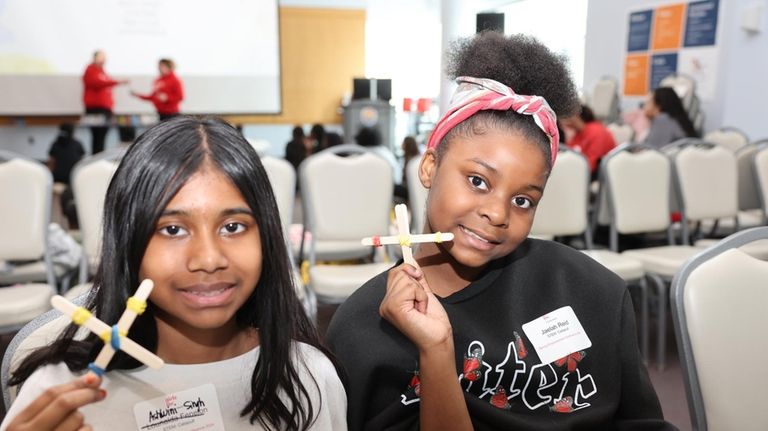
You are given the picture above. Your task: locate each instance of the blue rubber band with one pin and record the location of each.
(114, 340)
(96, 369)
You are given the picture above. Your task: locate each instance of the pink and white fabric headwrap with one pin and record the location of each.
(478, 94)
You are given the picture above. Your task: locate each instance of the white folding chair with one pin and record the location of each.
(637, 182)
(26, 267)
(41, 331)
(706, 182)
(605, 99)
(728, 137)
(90, 179)
(417, 195)
(345, 198)
(563, 210)
(282, 176)
(719, 303)
(760, 163)
(622, 133)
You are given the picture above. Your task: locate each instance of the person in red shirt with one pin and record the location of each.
(590, 137)
(97, 97)
(167, 91)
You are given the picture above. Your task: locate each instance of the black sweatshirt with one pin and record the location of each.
(605, 386)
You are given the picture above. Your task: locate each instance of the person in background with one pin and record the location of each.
(296, 149)
(317, 138)
(167, 91)
(410, 151)
(669, 121)
(97, 97)
(65, 152)
(590, 137)
(333, 139)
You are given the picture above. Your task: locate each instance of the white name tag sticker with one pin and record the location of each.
(556, 335)
(195, 409)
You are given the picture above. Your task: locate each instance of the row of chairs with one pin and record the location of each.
(635, 194)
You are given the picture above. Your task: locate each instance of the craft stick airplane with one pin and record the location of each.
(115, 337)
(404, 236)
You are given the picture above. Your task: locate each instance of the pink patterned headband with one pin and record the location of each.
(478, 94)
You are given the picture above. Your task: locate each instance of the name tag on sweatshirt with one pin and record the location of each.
(556, 335)
(188, 410)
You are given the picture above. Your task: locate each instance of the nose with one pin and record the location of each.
(206, 254)
(495, 209)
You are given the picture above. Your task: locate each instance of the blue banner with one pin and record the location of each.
(662, 65)
(701, 23)
(639, 30)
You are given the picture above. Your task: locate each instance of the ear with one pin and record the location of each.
(428, 168)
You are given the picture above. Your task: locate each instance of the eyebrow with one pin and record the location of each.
(486, 165)
(225, 213)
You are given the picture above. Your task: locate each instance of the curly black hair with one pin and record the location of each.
(523, 64)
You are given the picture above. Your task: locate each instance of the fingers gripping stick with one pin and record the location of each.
(404, 237)
(115, 337)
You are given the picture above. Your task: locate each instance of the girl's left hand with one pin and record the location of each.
(412, 308)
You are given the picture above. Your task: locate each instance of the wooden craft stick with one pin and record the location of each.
(404, 237)
(83, 318)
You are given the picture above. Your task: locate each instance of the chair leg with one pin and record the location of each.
(644, 346)
(661, 322)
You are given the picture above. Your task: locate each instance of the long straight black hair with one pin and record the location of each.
(149, 175)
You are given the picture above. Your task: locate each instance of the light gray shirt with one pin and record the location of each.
(231, 379)
(664, 130)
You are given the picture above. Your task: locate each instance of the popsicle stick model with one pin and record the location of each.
(404, 236)
(114, 337)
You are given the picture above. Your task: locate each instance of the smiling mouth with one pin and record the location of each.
(207, 293)
(476, 236)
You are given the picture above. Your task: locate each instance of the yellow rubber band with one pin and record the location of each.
(136, 305)
(80, 316)
(438, 237)
(405, 240)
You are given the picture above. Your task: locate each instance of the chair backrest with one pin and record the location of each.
(41, 331)
(748, 193)
(563, 208)
(718, 307)
(622, 133)
(707, 182)
(282, 176)
(417, 195)
(605, 99)
(90, 179)
(637, 179)
(728, 137)
(761, 178)
(26, 188)
(347, 194)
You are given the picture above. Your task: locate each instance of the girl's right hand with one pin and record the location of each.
(412, 308)
(57, 407)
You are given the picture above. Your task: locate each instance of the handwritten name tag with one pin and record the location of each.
(556, 334)
(195, 409)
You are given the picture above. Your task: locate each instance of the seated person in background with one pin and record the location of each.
(669, 121)
(333, 139)
(370, 138)
(296, 148)
(318, 138)
(65, 152)
(590, 137)
(410, 151)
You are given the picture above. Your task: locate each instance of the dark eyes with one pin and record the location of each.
(519, 201)
(227, 229)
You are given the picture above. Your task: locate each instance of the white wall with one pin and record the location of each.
(742, 80)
